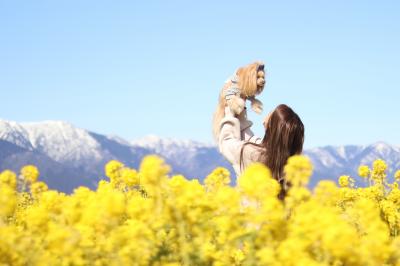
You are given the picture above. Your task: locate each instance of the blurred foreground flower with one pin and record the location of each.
(30, 173)
(146, 217)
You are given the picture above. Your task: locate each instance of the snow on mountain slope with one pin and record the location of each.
(73, 152)
(389, 153)
(59, 140)
(15, 133)
(167, 146)
(63, 142)
(64, 150)
(191, 158)
(56, 175)
(331, 162)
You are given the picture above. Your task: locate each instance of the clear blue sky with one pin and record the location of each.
(133, 68)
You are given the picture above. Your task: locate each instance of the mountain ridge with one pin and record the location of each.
(78, 156)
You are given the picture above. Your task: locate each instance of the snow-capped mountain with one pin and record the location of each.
(59, 140)
(190, 158)
(331, 162)
(68, 156)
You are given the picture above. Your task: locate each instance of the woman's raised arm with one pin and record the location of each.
(245, 129)
(229, 140)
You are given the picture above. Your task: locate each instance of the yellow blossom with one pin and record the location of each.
(298, 170)
(38, 187)
(364, 171)
(346, 181)
(113, 169)
(152, 169)
(397, 175)
(8, 177)
(238, 256)
(218, 178)
(392, 216)
(326, 192)
(30, 173)
(145, 217)
(379, 166)
(379, 170)
(296, 196)
(129, 176)
(7, 201)
(257, 182)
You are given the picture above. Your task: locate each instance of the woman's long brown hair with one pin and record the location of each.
(284, 137)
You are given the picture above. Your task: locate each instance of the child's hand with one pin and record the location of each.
(256, 105)
(236, 104)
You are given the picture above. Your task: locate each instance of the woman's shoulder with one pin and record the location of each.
(252, 152)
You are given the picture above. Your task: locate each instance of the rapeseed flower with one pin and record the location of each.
(8, 201)
(346, 181)
(218, 178)
(364, 171)
(397, 175)
(130, 177)
(298, 170)
(113, 171)
(9, 178)
(30, 173)
(145, 217)
(257, 182)
(378, 173)
(38, 187)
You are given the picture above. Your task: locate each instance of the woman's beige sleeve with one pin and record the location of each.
(246, 133)
(229, 141)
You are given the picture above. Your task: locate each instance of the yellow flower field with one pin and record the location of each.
(147, 217)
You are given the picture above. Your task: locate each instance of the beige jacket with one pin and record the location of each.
(235, 132)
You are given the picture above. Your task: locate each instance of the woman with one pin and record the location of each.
(284, 137)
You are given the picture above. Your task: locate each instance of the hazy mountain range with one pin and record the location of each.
(68, 157)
